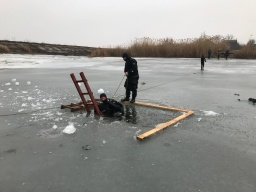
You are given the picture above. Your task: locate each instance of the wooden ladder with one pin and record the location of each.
(82, 94)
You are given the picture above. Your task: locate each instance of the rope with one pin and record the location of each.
(118, 86)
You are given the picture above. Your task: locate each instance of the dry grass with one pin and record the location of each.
(4, 49)
(147, 47)
(247, 52)
(26, 48)
(108, 52)
(171, 48)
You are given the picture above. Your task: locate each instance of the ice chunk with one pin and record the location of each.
(58, 113)
(70, 129)
(13, 80)
(17, 83)
(7, 84)
(30, 98)
(54, 126)
(29, 83)
(199, 119)
(24, 105)
(10, 89)
(210, 113)
(100, 91)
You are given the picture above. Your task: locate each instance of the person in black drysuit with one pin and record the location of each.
(209, 53)
(219, 52)
(226, 54)
(110, 107)
(132, 74)
(202, 62)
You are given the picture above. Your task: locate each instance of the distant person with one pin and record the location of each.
(219, 52)
(132, 74)
(226, 54)
(110, 107)
(209, 53)
(202, 61)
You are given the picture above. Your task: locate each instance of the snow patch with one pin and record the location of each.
(210, 113)
(100, 91)
(24, 105)
(70, 129)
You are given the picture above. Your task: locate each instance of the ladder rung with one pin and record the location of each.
(85, 93)
(79, 81)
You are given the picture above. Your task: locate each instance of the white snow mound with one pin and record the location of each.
(211, 113)
(70, 129)
(100, 91)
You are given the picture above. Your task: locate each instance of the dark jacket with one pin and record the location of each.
(203, 60)
(131, 67)
(110, 107)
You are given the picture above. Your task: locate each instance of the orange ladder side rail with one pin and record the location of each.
(98, 112)
(81, 94)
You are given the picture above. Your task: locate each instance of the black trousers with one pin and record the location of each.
(129, 90)
(202, 66)
(131, 85)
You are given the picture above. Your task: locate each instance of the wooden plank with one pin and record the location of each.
(160, 107)
(164, 126)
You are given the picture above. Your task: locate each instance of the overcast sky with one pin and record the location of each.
(101, 23)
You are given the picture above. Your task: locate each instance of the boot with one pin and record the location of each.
(132, 100)
(125, 99)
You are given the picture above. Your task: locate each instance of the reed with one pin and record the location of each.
(248, 51)
(182, 48)
(166, 47)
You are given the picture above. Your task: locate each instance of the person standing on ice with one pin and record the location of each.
(202, 61)
(132, 74)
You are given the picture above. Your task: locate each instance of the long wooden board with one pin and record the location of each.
(163, 126)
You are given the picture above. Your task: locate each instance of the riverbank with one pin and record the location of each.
(19, 47)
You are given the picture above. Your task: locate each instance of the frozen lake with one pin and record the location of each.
(213, 150)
